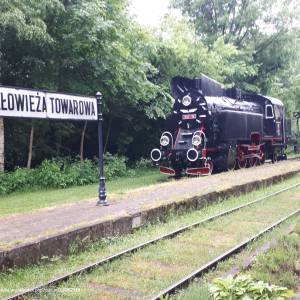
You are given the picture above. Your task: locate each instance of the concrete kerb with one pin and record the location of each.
(79, 238)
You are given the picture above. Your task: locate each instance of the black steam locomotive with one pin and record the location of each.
(212, 128)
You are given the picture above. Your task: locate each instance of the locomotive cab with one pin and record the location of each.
(274, 127)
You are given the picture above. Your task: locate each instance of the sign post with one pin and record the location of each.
(34, 104)
(102, 191)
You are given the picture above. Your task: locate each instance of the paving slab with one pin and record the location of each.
(25, 238)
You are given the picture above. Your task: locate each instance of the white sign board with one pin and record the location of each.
(45, 105)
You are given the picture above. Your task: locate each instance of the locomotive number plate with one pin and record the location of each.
(189, 117)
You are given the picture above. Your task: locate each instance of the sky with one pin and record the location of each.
(149, 12)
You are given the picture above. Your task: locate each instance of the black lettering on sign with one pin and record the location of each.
(87, 106)
(3, 100)
(26, 97)
(71, 109)
(31, 103)
(44, 105)
(81, 108)
(52, 104)
(75, 103)
(57, 105)
(64, 106)
(19, 102)
(38, 108)
(93, 110)
(10, 101)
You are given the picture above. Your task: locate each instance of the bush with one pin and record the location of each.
(144, 163)
(114, 166)
(17, 180)
(244, 287)
(62, 173)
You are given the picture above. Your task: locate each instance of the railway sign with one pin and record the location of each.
(24, 103)
(34, 104)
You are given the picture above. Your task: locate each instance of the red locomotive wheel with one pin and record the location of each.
(254, 161)
(248, 162)
(241, 163)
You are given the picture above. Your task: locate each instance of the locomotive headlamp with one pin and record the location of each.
(196, 141)
(186, 100)
(155, 155)
(164, 140)
(192, 154)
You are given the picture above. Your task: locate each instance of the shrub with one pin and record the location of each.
(244, 287)
(115, 166)
(144, 163)
(65, 172)
(49, 174)
(17, 180)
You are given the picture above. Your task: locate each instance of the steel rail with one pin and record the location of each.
(88, 268)
(184, 282)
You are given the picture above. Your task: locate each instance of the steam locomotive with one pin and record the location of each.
(216, 129)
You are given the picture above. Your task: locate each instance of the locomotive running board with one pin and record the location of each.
(198, 171)
(166, 171)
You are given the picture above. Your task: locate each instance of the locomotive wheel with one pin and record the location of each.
(253, 161)
(233, 167)
(274, 158)
(241, 161)
(231, 159)
(241, 164)
(248, 163)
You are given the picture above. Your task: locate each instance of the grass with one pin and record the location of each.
(279, 266)
(142, 272)
(157, 266)
(27, 201)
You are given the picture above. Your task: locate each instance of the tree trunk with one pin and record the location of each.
(30, 146)
(82, 140)
(1, 144)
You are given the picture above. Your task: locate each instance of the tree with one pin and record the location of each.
(260, 29)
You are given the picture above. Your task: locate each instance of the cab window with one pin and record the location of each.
(278, 112)
(269, 112)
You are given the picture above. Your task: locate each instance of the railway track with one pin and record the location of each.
(88, 268)
(185, 281)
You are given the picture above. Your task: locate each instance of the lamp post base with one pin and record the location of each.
(102, 203)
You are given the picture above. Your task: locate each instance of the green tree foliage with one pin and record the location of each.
(261, 29)
(84, 46)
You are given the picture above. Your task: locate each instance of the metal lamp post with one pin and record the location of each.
(102, 190)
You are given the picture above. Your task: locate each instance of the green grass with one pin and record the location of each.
(156, 255)
(27, 201)
(157, 266)
(279, 266)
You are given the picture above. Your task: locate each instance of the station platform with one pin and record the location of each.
(26, 238)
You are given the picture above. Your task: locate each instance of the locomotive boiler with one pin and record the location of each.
(213, 128)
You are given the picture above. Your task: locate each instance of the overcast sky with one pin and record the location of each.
(149, 12)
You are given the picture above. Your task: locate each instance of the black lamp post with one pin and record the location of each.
(102, 191)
